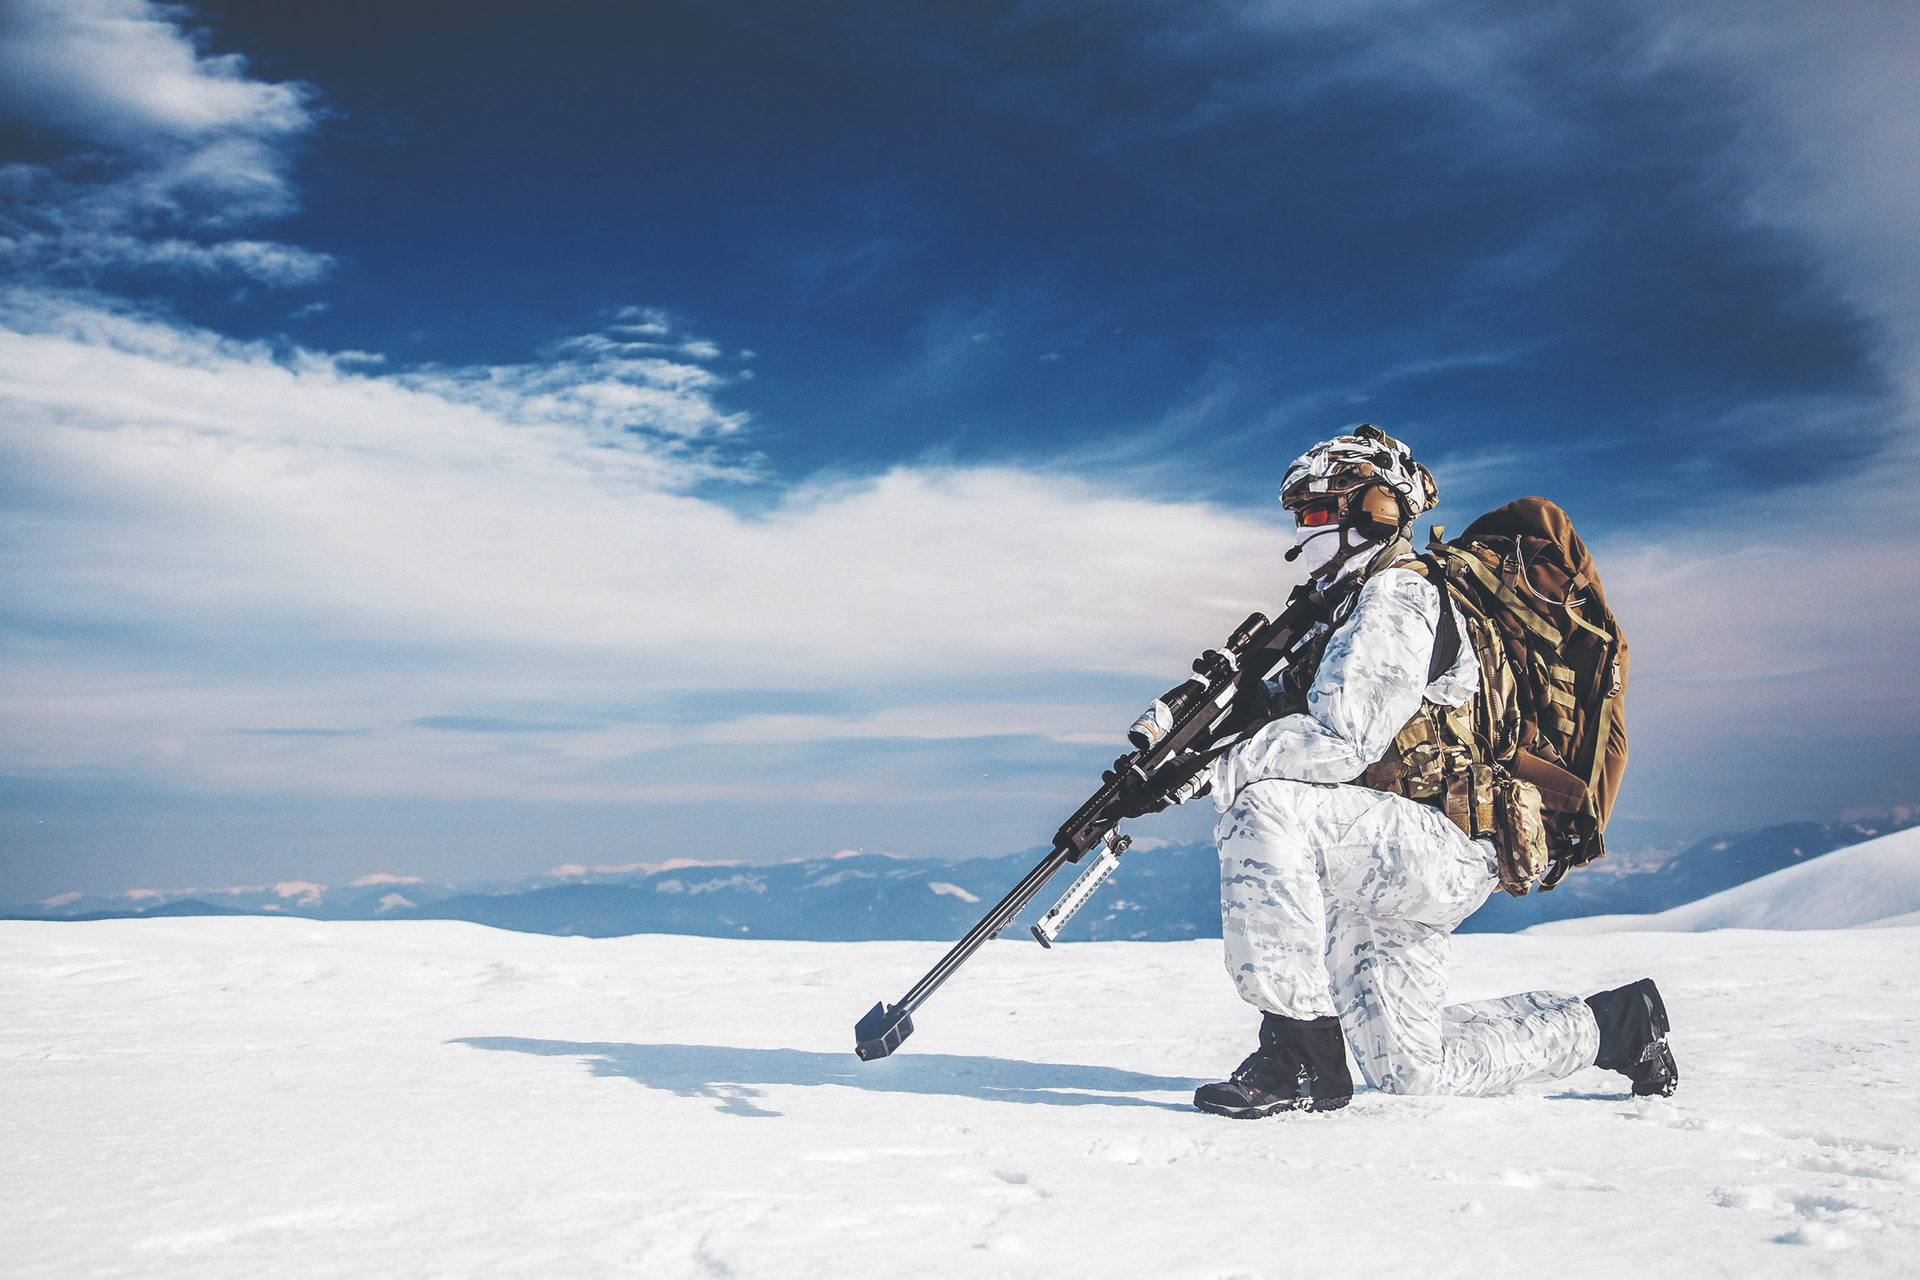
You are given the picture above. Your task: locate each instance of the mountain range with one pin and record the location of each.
(1157, 894)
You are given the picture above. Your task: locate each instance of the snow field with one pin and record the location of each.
(239, 1097)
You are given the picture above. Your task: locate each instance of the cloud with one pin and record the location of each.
(496, 578)
(598, 382)
(491, 724)
(163, 150)
(231, 535)
(382, 877)
(1836, 154)
(1816, 107)
(120, 71)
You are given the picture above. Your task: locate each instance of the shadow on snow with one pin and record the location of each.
(728, 1075)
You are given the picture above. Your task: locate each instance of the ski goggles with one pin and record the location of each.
(1315, 514)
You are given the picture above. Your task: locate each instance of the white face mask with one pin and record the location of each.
(1321, 543)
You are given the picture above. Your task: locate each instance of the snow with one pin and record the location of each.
(1869, 884)
(242, 1096)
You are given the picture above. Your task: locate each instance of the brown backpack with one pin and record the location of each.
(1554, 667)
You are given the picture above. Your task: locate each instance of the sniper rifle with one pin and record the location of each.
(1230, 694)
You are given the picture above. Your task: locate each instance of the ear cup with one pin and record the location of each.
(1376, 512)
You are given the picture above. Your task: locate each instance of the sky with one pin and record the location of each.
(454, 440)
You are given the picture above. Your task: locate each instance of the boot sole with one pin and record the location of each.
(1272, 1108)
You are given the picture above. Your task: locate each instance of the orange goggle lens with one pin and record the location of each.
(1313, 517)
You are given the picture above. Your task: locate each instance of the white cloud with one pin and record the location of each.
(121, 71)
(1823, 100)
(161, 136)
(516, 543)
(534, 531)
(1737, 635)
(381, 877)
(82, 253)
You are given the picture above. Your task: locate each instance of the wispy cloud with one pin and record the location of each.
(163, 151)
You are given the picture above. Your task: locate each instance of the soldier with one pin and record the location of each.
(1338, 899)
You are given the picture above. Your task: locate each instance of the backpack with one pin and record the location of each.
(1552, 710)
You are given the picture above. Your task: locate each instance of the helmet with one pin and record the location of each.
(1370, 464)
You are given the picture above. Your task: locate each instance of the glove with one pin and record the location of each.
(1199, 782)
(1175, 782)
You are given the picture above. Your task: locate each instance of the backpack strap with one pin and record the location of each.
(1515, 605)
(1446, 636)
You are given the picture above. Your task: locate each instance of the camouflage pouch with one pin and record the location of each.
(1457, 800)
(1484, 790)
(1519, 834)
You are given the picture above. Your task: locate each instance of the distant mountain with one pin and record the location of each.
(371, 898)
(1155, 895)
(184, 907)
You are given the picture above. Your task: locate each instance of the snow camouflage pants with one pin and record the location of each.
(1338, 899)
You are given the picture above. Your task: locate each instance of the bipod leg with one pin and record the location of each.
(1075, 898)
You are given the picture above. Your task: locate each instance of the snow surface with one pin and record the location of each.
(245, 1096)
(1874, 883)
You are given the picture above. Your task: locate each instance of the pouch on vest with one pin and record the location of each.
(1519, 834)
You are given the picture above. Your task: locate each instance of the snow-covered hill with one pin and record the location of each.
(1849, 888)
(247, 1096)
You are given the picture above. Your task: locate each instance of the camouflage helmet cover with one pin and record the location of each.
(1368, 457)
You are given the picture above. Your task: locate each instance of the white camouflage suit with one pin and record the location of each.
(1338, 899)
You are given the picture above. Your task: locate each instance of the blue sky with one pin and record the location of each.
(456, 442)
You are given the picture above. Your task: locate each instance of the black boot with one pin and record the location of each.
(1633, 1037)
(1301, 1065)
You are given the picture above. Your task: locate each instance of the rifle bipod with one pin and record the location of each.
(1075, 898)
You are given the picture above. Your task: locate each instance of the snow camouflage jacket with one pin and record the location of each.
(1374, 718)
(1370, 681)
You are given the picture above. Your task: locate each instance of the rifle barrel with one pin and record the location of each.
(885, 1026)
